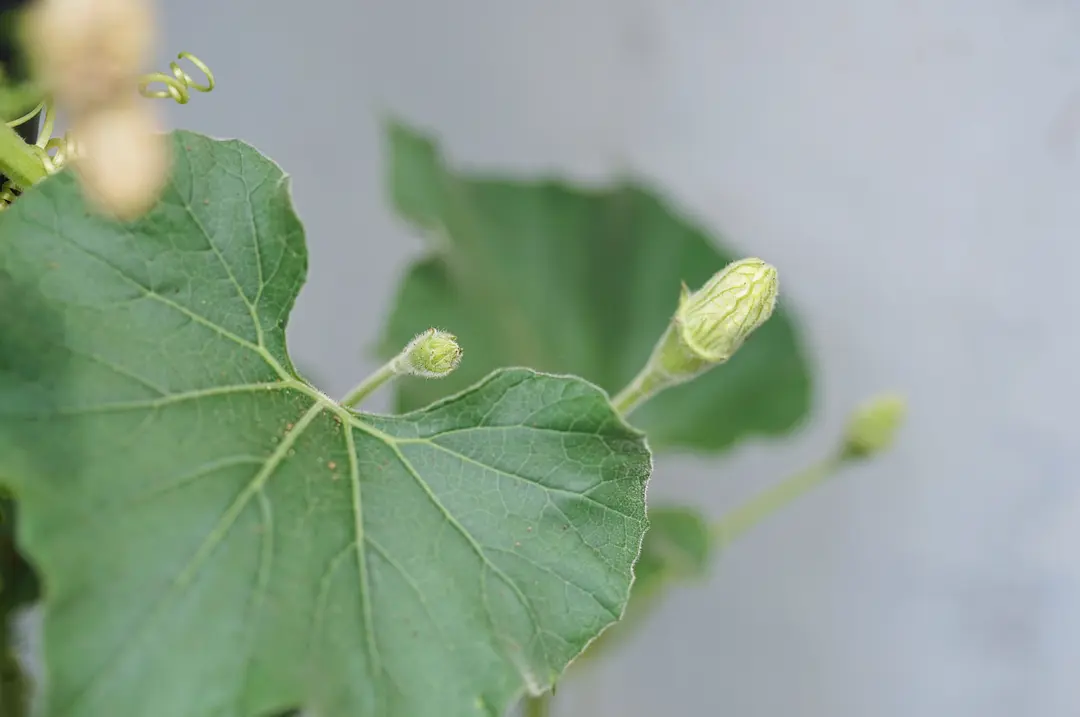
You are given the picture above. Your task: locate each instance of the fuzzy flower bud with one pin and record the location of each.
(873, 426)
(714, 321)
(709, 326)
(432, 354)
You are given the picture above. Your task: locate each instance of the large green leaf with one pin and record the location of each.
(562, 279)
(217, 537)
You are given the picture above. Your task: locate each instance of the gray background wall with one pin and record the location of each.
(912, 167)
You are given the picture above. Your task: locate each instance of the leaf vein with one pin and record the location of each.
(607, 608)
(472, 542)
(168, 399)
(361, 558)
(411, 582)
(184, 577)
(554, 489)
(221, 259)
(254, 486)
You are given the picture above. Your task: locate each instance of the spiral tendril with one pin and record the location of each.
(56, 152)
(180, 84)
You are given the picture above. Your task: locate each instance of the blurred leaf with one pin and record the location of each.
(556, 278)
(18, 587)
(18, 582)
(678, 545)
(677, 549)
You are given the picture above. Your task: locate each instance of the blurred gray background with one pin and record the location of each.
(913, 168)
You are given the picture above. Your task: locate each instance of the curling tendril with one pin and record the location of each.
(56, 152)
(180, 84)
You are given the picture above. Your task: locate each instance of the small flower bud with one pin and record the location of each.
(873, 426)
(432, 354)
(714, 321)
(709, 326)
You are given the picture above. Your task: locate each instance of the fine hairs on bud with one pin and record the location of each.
(432, 354)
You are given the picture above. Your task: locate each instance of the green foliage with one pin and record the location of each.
(678, 548)
(18, 587)
(217, 537)
(567, 280)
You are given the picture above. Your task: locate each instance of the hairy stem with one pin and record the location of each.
(370, 384)
(763, 505)
(644, 386)
(18, 161)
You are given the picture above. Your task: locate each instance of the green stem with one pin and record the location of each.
(763, 505)
(670, 364)
(18, 161)
(644, 386)
(370, 384)
(539, 706)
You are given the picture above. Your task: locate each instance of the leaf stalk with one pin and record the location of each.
(765, 504)
(369, 385)
(18, 160)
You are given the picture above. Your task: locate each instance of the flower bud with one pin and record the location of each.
(714, 321)
(432, 354)
(873, 426)
(709, 326)
(123, 159)
(88, 53)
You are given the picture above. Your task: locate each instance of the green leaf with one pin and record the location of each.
(18, 583)
(677, 549)
(562, 279)
(218, 538)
